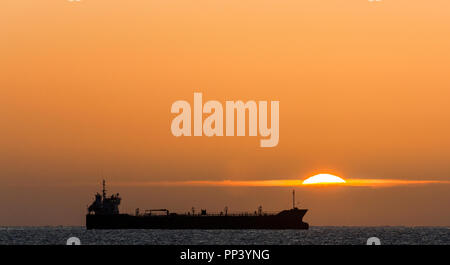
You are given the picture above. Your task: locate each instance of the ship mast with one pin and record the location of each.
(104, 190)
(293, 199)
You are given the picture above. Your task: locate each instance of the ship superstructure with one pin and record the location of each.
(103, 205)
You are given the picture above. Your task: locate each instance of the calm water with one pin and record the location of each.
(315, 236)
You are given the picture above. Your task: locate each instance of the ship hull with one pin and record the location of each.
(125, 221)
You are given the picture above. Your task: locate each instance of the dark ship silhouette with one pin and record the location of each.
(103, 213)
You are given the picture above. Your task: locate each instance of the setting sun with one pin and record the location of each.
(323, 179)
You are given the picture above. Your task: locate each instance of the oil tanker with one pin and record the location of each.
(104, 213)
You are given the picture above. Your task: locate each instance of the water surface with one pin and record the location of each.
(314, 236)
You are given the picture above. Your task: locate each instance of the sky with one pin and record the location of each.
(86, 91)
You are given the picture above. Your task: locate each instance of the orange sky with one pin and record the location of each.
(86, 90)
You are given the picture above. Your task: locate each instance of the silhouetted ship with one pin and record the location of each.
(104, 214)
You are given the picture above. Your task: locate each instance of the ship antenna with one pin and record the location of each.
(104, 190)
(293, 199)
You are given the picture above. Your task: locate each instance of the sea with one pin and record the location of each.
(316, 235)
